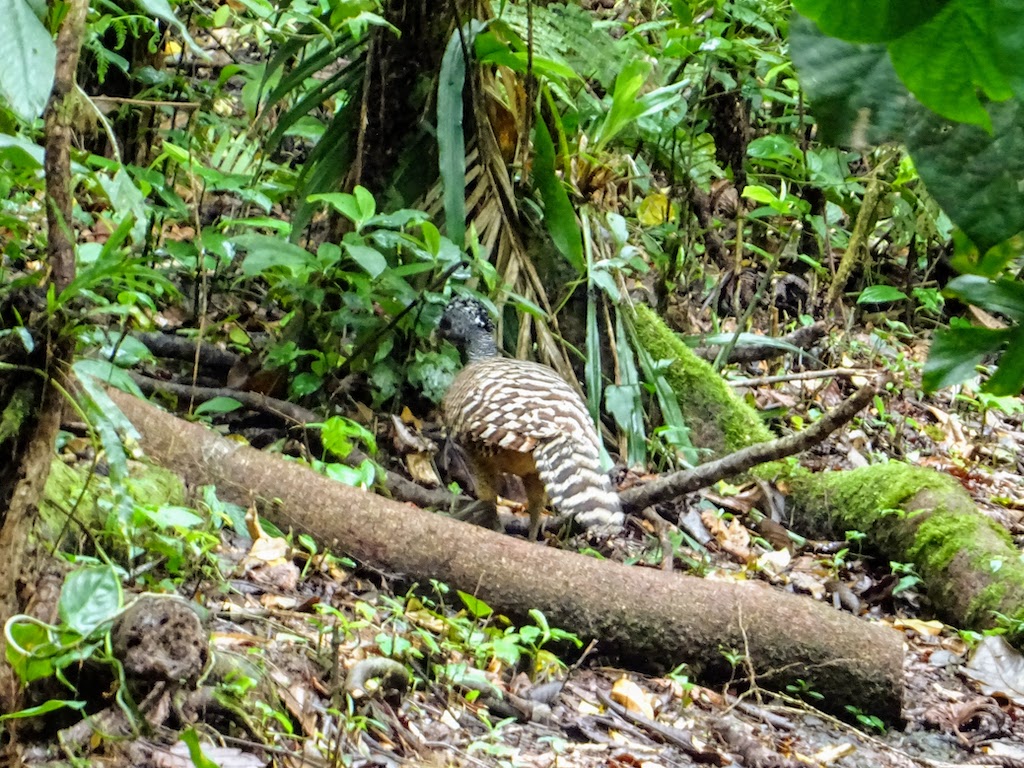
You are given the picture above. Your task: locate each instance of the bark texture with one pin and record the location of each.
(646, 618)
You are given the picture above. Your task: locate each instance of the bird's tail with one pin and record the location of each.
(576, 486)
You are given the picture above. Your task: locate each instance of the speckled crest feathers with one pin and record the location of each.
(498, 404)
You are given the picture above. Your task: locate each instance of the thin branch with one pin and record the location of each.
(688, 480)
(800, 376)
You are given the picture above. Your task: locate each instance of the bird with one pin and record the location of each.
(521, 418)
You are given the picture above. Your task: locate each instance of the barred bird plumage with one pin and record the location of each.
(519, 417)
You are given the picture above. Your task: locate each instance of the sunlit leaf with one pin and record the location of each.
(29, 59)
(90, 596)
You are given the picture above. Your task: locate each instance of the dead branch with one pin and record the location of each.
(802, 338)
(687, 480)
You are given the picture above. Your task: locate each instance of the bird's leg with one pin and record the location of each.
(483, 511)
(537, 497)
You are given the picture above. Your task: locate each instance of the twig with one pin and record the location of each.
(799, 376)
(185, 105)
(251, 400)
(675, 736)
(685, 481)
(801, 339)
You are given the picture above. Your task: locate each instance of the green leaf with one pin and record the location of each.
(367, 205)
(29, 59)
(370, 259)
(451, 139)
(955, 354)
(126, 199)
(880, 294)
(266, 253)
(1009, 376)
(974, 175)
(775, 146)
(946, 53)
(195, 751)
(628, 107)
(559, 214)
(161, 9)
(869, 21)
(30, 650)
(45, 708)
(476, 607)
(633, 423)
(342, 202)
(855, 94)
(19, 151)
(90, 596)
(218, 405)
(337, 434)
(1005, 296)
(171, 516)
(945, 61)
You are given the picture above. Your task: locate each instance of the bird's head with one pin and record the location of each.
(467, 324)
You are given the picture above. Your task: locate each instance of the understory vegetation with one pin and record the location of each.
(725, 222)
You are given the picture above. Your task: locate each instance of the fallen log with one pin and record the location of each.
(968, 564)
(645, 618)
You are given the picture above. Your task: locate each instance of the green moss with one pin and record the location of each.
(16, 413)
(859, 499)
(940, 538)
(987, 602)
(146, 484)
(720, 420)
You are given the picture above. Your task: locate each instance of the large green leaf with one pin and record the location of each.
(947, 60)
(89, 597)
(29, 58)
(949, 53)
(1003, 296)
(858, 99)
(451, 139)
(855, 93)
(956, 352)
(559, 214)
(974, 175)
(869, 21)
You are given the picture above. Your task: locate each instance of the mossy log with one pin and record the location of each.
(646, 618)
(967, 562)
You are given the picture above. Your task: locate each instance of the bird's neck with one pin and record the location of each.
(480, 347)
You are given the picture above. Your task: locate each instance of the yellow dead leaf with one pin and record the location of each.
(421, 468)
(774, 562)
(632, 697)
(931, 628)
(829, 755)
(408, 418)
(653, 209)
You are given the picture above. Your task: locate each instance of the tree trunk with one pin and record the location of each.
(646, 618)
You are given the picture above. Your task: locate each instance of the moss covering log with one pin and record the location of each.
(967, 562)
(718, 420)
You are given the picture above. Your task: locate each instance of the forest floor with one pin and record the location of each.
(484, 692)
